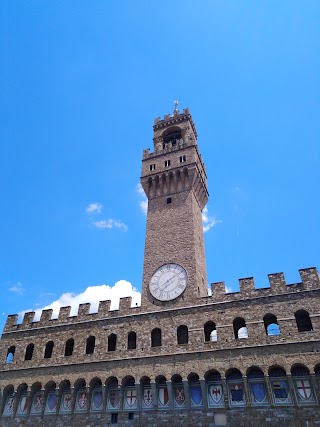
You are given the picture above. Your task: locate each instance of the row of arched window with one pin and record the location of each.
(210, 334)
(211, 391)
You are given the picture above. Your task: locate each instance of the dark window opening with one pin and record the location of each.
(112, 342)
(303, 321)
(90, 345)
(29, 352)
(271, 324)
(152, 167)
(169, 200)
(182, 159)
(10, 354)
(69, 347)
(156, 338)
(240, 328)
(167, 163)
(210, 332)
(132, 340)
(131, 416)
(48, 350)
(182, 334)
(114, 418)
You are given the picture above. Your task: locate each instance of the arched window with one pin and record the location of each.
(90, 344)
(279, 385)
(303, 321)
(132, 340)
(156, 337)
(210, 332)
(179, 399)
(112, 342)
(303, 386)
(10, 354)
(69, 347)
(48, 350)
(29, 352)
(271, 324)
(257, 387)
(182, 334)
(235, 388)
(195, 390)
(240, 328)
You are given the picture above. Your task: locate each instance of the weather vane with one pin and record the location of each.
(175, 105)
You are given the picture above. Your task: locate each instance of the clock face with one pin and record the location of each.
(168, 282)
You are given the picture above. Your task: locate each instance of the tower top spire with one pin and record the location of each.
(175, 111)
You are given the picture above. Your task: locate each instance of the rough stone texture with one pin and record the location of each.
(174, 234)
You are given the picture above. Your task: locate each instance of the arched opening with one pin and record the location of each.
(36, 399)
(29, 352)
(8, 401)
(303, 321)
(171, 137)
(271, 324)
(10, 354)
(210, 331)
(235, 388)
(179, 399)
(279, 385)
(182, 334)
(90, 344)
(156, 337)
(69, 347)
(65, 402)
(48, 350)
(132, 340)
(240, 328)
(303, 386)
(112, 342)
(96, 395)
(163, 396)
(50, 398)
(22, 398)
(195, 390)
(113, 394)
(257, 386)
(147, 398)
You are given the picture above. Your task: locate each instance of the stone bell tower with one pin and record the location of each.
(175, 182)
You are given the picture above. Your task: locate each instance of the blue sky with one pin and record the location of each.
(80, 85)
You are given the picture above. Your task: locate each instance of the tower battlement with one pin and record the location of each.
(310, 280)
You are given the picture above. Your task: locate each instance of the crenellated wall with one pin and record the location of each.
(310, 280)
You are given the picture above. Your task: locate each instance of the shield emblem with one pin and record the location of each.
(163, 397)
(237, 393)
(179, 396)
(66, 402)
(82, 400)
(51, 402)
(97, 400)
(196, 396)
(303, 389)
(114, 398)
(9, 406)
(23, 404)
(147, 397)
(258, 392)
(130, 397)
(37, 403)
(215, 393)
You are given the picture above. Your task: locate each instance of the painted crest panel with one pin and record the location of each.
(8, 408)
(304, 392)
(215, 395)
(51, 403)
(130, 399)
(196, 396)
(96, 400)
(163, 398)
(65, 405)
(81, 401)
(36, 407)
(147, 399)
(113, 399)
(179, 400)
(258, 392)
(23, 405)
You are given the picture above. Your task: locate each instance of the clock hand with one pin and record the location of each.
(169, 281)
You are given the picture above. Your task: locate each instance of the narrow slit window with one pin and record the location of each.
(152, 167)
(183, 159)
(167, 163)
(169, 200)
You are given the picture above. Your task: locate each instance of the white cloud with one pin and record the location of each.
(94, 208)
(92, 295)
(17, 289)
(143, 203)
(110, 223)
(208, 221)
